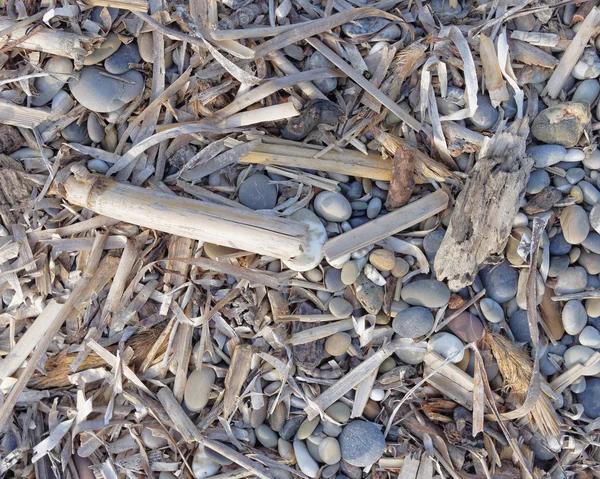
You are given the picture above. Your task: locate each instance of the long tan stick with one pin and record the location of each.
(223, 225)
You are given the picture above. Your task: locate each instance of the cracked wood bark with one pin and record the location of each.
(486, 207)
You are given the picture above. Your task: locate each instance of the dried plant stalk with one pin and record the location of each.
(237, 374)
(15, 115)
(131, 5)
(278, 237)
(493, 74)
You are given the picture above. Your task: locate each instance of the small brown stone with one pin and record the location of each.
(467, 327)
(338, 343)
(383, 259)
(372, 410)
(401, 268)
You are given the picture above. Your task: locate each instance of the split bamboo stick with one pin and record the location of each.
(21, 116)
(223, 225)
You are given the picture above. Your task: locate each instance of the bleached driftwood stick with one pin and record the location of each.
(21, 116)
(572, 54)
(223, 225)
(62, 44)
(131, 5)
(385, 226)
(486, 208)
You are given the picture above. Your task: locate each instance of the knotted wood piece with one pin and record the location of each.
(486, 208)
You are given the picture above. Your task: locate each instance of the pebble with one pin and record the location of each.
(561, 124)
(49, 86)
(486, 115)
(329, 450)
(446, 345)
(491, 310)
(146, 47)
(592, 307)
(547, 155)
(572, 280)
(315, 275)
(519, 325)
(279, 415)
(538, 180)
(362, 443)
(286, 450)
(467, 327)
(413, 322)
(592, 242)
(432, 242)
(574, 155)
(203, 466)
(304, 460)
(62, 103)
(332, 206)
(95, 130)
(592, 161)
(119, 61)
(590, 398)
(307, 428)
(591, 195)
(317, 235)
(317, 60)
(574, 317)
(257, 193)
(340, 308)
(350, 272)
(413, 356)
(401, 268)
(266, 436)
(500, 282)
(588, 65)
(383, 259)
(579, 355)
(559, 246)
(338, 343)
(151, 441)
(374, 208)
(590, 261)
(590, 337)
(339, 412)
(108, 47)
(594, 217)
(197, 388)
(541, 450)
(427, 292)
(377, 394)
(331, 429)
(290, 427)
(75, 133)
(575, 175)
(104, 94)
(369, 295)
(558, 264)
(333, 280)
(587, 90)
(575, 224)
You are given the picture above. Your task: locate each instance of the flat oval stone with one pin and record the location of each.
(98, 166)
(590, 261)
(146, 47)
(95, 129)
(500, 282)
(575, 175)
(579, 355)
(286, 450)
(304, 460)
(538, 180)
(313, 275)
(590, 398)
(561, 124)
(49, 86)
(104, 94)
(594, 218)
(329, 450)
(592, 160)
(486, 115)
(519, 325)
(446, 345)
(258, 193)
(350, 272)
(383, 259)
(401, 268)
(338, 343)
(413, 322)
(592, 242)
(414, 355)
(491, 310)
(307, 428)
(547, 155)
(119, 61)
(572, 280)
(592, 307)
(590, 337)
(374, 208)
(574, 317)
(151, 441)
(432, 242)
(575, 224)
(340, 308)
(203, 466)
(332, 206)
(558, 245)
(278, 417)
(290, 427)
(426, 292)
(266, 436)
(361, 443)
(75, 133)
(197, 389)
(587, 90)
(333, 280)
(108, 47)
(339, 412)
(467, 327)
(591, 195)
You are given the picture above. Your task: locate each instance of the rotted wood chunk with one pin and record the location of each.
(308, 356)
(15, 190)
(10, 139)
(316, 112)
(486, 207)
(403, 180)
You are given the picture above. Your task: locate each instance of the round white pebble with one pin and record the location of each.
(377, 394)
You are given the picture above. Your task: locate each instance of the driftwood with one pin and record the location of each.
(486, 208)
